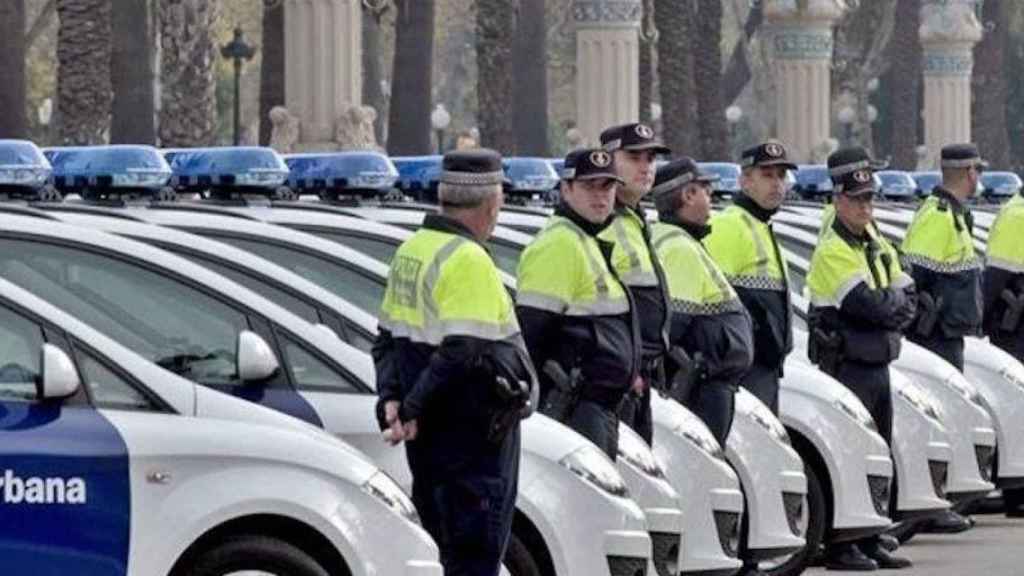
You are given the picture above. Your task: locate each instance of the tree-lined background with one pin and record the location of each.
(150, 71)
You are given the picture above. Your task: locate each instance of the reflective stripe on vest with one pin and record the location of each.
(637, 274)
(724, 301)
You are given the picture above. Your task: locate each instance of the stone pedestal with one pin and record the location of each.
(607, 64)
(949, 31)
(801, 40)
(323, 66)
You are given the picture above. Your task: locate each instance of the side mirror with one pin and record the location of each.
(256, 360)
(60, 378)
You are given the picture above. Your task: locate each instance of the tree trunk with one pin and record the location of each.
(132, 118)
(409, 111)
(904, 85)
(707, 59)
(675, 73)
(648, 34)
(271, 65)
(373, 93)
(530, 110)
(737, 72)
(83, 70)
(495, 39)
(989, 84)
(13, 122)
(188, 112)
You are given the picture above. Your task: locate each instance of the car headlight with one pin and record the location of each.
(921, 401)
(965, 389)
(854, 409)
(633, 450)
(763, 416)
(385, 490)
(590, 464)
(701, 438)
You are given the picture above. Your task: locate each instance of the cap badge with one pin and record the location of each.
(774, 150)
(862, 176)
(600, 158)
(644, 131)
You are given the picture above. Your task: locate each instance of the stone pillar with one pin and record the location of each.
(607, 64)
(323, 65)
(800, 47)
(949, 31)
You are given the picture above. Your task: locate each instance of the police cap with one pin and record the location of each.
(770, 153)
(589, 164)
(634, 136)
(962, 156)
(853, 171)
(478, 167)
(679, 173)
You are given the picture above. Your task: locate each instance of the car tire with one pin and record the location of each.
(815, 532)
(253, 553)
(518, 559)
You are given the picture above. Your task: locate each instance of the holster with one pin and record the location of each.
(927, 313)
(826, 350)
(562, 399)
(513, 406)
(1014, 309)
(504, 368)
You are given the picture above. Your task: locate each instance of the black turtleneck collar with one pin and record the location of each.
(449, 225)
(755, 209)
(944, 194)
(696, 231)
(847, 235)
(565, 211)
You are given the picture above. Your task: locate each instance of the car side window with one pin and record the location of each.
(310, 372)
(107, 388)
(21, 344)
(159, 317)
(380, 249)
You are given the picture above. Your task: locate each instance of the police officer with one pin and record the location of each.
(744, 246)
(1004, 299)
(577, 316)
(453, 374)
(861, 300)
(634, 147)
(945, 268)
(709, 323)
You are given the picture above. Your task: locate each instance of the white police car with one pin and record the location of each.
(111, 465)
(188, 318)
(24, 170)
(96, 172)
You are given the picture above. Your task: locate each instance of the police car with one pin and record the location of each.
(329, 175)
(97, 172)
(112, 465)
(24, 170)
(247, 169)
(331, 385)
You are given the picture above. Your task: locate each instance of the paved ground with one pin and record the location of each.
(995, 547)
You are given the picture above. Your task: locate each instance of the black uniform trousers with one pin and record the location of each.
(870, 383)
(468, 511)
(763, 381)
(635, 411)
(951, 349)
(597, 423)
(715, 404)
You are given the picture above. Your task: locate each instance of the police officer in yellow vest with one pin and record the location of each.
(577, 316)
(861, 300)
(453, 374)
(745, 248)
(709, 323)
(1004, 299)
(940, 249)
(634, 147)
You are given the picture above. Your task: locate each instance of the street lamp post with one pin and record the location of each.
(237, 50)
(846, 117)
(733, 115)
(440, 119)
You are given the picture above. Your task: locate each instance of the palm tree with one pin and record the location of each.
(409, 111)
(904, 84)
(495, 38)
(989, 82)
(530, 112)
(187, 100)
(13, 123)
(271, 65)
(83, 70)
(675, 21)
(707, 59)
(131, 74)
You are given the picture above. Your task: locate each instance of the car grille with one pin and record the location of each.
(666, 553)
(986, 460)
(880, 493)
(938, 470)
(728, 525)
(794, 504)
(627, 566)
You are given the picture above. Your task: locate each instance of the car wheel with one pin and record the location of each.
(814, 533)
(518, 559)
(253, 555)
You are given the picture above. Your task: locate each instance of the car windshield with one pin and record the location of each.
(20, 154)
(1001, 180)
(927, 180)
